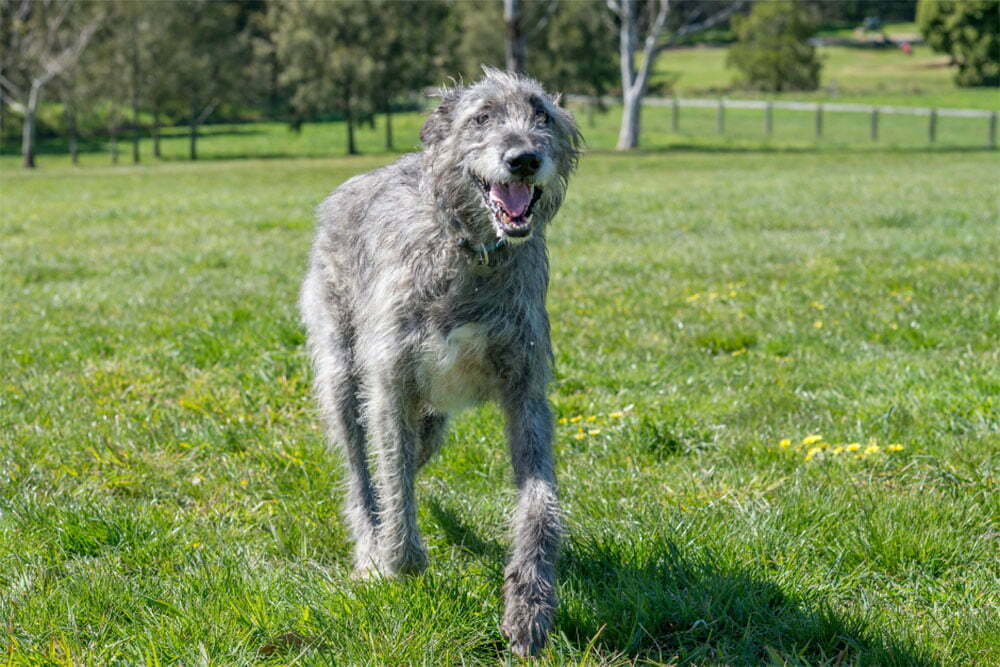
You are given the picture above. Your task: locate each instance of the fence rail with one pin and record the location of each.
(817, 108)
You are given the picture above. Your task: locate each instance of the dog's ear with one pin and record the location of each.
(438, 124)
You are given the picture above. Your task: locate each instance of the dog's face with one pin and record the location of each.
(504, 151)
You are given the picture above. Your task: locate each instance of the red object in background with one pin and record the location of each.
(906, 48)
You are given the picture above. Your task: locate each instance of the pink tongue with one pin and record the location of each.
(515, 197)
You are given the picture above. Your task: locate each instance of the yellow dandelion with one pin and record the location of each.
(594, 431)
(894, 448)
(853, 447)
(616, 415)
(694, 297)
(785, 444)
(811, 439)
(818, 306)
(563, 420)
(872, 449)
(243, 482)
(740, 351)
(576, 419)
(818, 324)
(713, 295)
(813, 451)
(732, 292)
(580, 436)
(837, 450)
(592, 418)
(859, 456)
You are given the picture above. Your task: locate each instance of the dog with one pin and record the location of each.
(425, 294)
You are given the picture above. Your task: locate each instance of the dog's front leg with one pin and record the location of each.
(530, 577)
(394, 435)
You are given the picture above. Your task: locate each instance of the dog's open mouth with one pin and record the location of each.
(511, 205)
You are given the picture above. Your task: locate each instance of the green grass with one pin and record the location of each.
(861, 75)
(165, 494)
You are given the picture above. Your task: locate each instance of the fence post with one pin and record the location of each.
(720, 117)
(874, 123)
(675, 113)
(993, 130)
(932, 127)
(768, 118)
(819, 121)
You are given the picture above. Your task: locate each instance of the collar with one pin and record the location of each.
(481, 252)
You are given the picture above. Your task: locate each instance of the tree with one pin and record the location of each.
(645, 29)
(577, 51)
(772, 52)
(406, 50)
(326, 58)
(210, 52)
(968, 31)
(43, 39)
(522, 26)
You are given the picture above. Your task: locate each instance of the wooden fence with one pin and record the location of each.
(818, 109)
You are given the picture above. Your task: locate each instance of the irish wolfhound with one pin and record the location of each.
(426, 294)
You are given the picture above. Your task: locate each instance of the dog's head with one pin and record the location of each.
(500, 152)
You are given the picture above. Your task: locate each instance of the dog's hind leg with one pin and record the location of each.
(336, 387)
(530, 576)
(394, 428)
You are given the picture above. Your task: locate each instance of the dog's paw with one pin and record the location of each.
(526, 626)
(410, 560)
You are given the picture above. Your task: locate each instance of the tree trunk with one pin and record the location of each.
(74, 152)
(351, 148)
(135, 132)
(388, 129)
(28, 129)
(193, 137)
(114, 144)
(3, 115)
(134, 84)
(156, 133)
(513, 17)
(628, 134)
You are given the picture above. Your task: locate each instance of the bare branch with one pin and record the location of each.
(12, 89)
(71, 53)
(550, 11)
(710, 22)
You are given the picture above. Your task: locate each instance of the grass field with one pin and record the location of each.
(165, 494)
(849, 74)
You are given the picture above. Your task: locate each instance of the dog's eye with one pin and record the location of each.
(541, 118)
(482, 119)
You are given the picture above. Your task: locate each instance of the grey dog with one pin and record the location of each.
(425, 294)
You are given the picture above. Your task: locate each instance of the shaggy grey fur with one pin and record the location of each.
(426, 294)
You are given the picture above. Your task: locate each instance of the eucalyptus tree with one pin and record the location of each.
(645, 29)
(327, 58)
(41, 40)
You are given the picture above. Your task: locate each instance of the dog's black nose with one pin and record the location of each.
(525, 164)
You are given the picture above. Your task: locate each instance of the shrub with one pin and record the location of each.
(968, 31)
(772, 51)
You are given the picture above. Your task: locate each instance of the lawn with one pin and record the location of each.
(863, 75)
(777, 391)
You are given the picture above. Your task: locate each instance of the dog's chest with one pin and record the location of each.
(455, 370)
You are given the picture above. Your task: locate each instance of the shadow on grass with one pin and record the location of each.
(650, 601)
